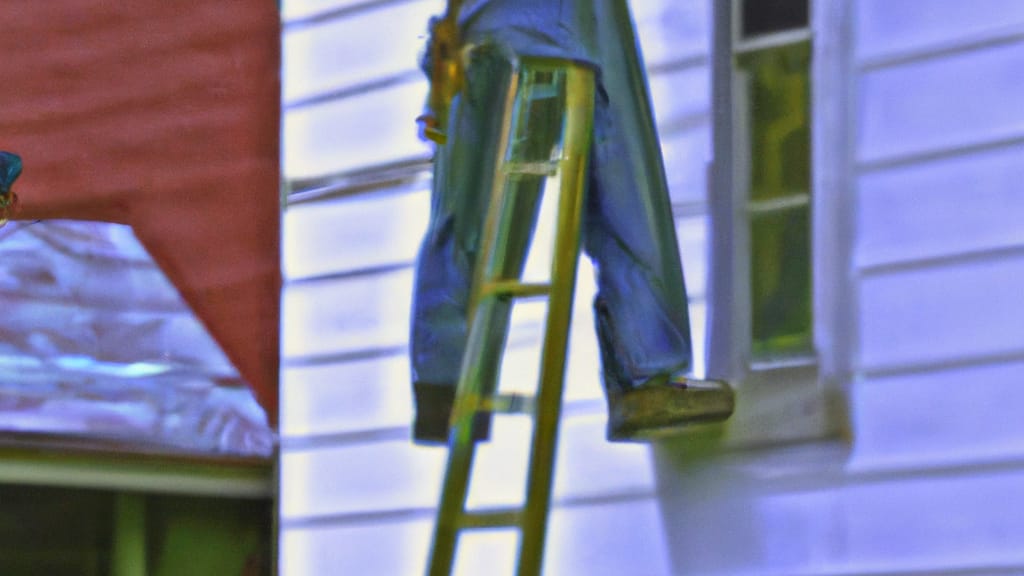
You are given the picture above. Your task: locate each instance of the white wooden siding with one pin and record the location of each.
(942, 313)
(948, 417)
(931, 477)
(343, 53)
(939, 261)
(800, 511)
(360, 477)
(357, 497)
(962, 99)
(886, 29)
(613, 539)
(338, 237)
(320, 137)
(939, 189)
(928, 480)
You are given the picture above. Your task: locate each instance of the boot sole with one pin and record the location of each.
(652, 412)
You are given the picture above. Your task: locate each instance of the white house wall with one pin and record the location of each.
(357, 497)
(940, 195)
(929, 479)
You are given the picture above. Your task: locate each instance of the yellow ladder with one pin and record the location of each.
(545, 136)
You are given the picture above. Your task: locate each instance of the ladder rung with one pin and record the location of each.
(547, 168)
(542, 92)
(500, 518)
(514, 288)
(510, 404)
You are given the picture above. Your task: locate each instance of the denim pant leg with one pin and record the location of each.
(629, 232)
(463, 175)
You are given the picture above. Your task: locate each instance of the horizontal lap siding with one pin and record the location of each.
(939, 314)
(319, 137)
(929, 481)
(961, 205)
(614, 539)
(356, 495)
(381, 43)
(331, 238)
(940, 195)
(939, 261)
(361, 477)
(954, 416)
(803, 512)
(888, 28)
(961, 99)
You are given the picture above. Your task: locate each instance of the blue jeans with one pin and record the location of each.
(628, 231)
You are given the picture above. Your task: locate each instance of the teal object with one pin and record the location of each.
(10, 169)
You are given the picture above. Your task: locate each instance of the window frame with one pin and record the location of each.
(797, 398)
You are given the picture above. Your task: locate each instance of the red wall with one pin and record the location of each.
(162, 114)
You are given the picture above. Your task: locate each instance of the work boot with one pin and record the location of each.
(664, 406)
(434, 405)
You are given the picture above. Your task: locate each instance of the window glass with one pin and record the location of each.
(780, 272)
(777, 93)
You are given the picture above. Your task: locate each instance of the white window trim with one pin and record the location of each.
(800, 399)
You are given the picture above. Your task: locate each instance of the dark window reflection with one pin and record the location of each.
(767, 16)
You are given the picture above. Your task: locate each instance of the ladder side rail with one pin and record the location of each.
(511, 217)
(461, 446)
(508, 229)
(578, 127)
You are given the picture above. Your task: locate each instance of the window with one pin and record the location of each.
(773, 154)
(766, 325)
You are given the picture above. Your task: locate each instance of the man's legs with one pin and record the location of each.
(463, 174)
(641, 309)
